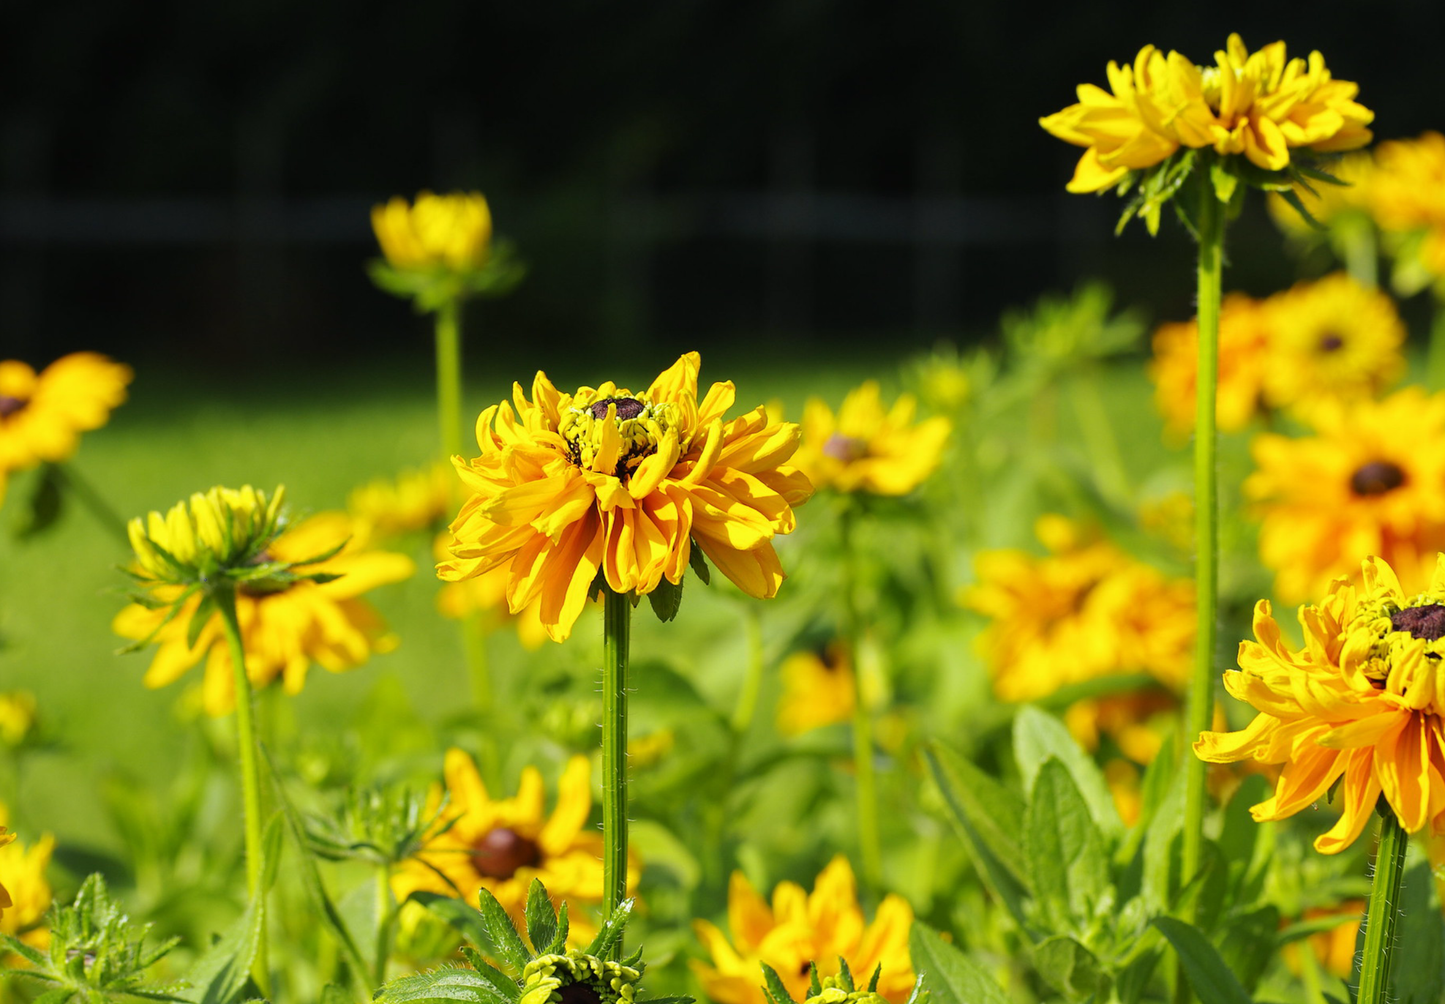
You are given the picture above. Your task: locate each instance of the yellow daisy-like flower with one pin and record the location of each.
(501, 845)
(817, 690)
(43, 414)
(1407, 195)
(453, 230)
(486, 595)
(800, 927)
(1360, 703)
(624, 483)
(17, 716)
(1244, 337)
(1331, 338)
(415, 500)
(865, 448)
(1367, 483)
(285, 627)
(22, 873)
(1085, 611)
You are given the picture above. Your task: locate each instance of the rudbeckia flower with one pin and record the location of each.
(1360, 704)
(817, 690)
(414, 500)
(625, 484)
(453, 231)
(1368, 482)
(1407, 197)
(288, 621)
(865, 448)
(501, 845)
(801, 927)
(1244, 335)
(486, 595)
(22, 873)
(1331, 338)
(42, 415)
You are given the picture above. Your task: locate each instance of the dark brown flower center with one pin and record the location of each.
(11, 405)
(502, 851)
(627, 407)
(830, 658)
(1427, 622)
(1331, 342)
(579, 993)
(845, 448)
(1376, 478)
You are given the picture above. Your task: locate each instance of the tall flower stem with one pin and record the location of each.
(616, 639)
(385, 916)
(1378, 951)
(1206, 522)
(870, 847)
(747, 704)
(225, 599)
(449, 376)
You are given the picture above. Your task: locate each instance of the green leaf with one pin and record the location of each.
(1224, 180)
(1248, 941)
(1068, 966)
(45, 505)
(1419, 972)
(611, 931)
(1065, 851)
(220, 975)
(271, 850)
(559, 939)
(1038, 736)
(334, 993)
(1292, 197)
(1161, 849)
(541, 917)
(953, 978)
(773, 986)
(500, 934)
(697, 561)
(503, 983)
(448, 984)
(995, 813)
(57, 996)
(20, 948)
(1211, 980)
(666, 600)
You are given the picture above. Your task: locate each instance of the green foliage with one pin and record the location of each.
(431, 288)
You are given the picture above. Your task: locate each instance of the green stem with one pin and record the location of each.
(1435, 357)
(1099, 438)
(1206, 525)
(449, 376)
(85, 493)
(753, 681)
(870, 847)
(474, 641)
(616, 639)
(1378, 952)
(385, 915)
(225, 599)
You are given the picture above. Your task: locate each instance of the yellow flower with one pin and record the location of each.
(867, 449)
(1087, 610)
(501, 845)
(1244, 334)
(1360, 703)
(416, 500)
(22, 872)
(1407, 197)
(17, 716)
(1329, 203)
(285, 625)
(42, 415)
(799, 928)
(5, 901)
(486, 595)
(624, 483)
(1367, 483)
(1332, 338)
(1335, 948)
(453, 230)
(817, 690)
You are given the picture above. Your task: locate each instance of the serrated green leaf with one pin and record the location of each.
(559, 939)
(1209, 977)
(219, 976)
(666, 600)
(541, 917)
(1065, 851)
(953, 978)
(610, 933)
(504, 984)
(59, 995)
(20, 948)
(773, 985)
(447, 984)
(1068, 967)
(1038, 736)
(500, 933)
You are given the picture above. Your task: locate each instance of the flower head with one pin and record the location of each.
(1407, 197)
(1366, 483)
(414, 500)
(867, 448)
(17, 717)
(1244, 336)
(297, 592)
(1360, 704)
(453, 230)
(578, 978)
(22, 873)
(801, 928)
(501, 845)
(817, 689)
(606, 481)
(1085, 611)
(43, 414)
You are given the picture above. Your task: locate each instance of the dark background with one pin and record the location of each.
(189, 183)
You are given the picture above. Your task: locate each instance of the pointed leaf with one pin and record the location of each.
(449, 984)
(698, 563)
(541, 917)
(220, 975)
(1068, 966)
(1038, 736)
(20, 948)
(504, 984)
(1210, 978)
(995, 813)
(666, 600)
(611, 931)
(501, 934)
(953, 978)
(559, 940)
(773, 986)
(1065, 851)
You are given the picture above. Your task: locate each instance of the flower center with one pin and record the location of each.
(627, 407)
(1376, 478)
(502, 851)
(640, 425)
(845, 448)
(1331, 342)
(579, 993)
(11, 405)
(1427, 622)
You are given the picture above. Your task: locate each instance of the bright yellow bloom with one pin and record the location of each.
(22, 872)
(817, 690)
(1085, 611)
(801, 927)
(864, 448)
(1244, 335)
(1331, 338)
(17, 716)
(501, 845)
(625, 483)
(42, 415)
(486, 595)
(285, 626)
(5, 901)
(453, 230)
(1329, 203)
(1407, 194)
(1258, 104)
(416, 500)
(1361, 701)
(1367, 483)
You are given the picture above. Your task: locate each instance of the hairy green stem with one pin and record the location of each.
(449, 376)
(752, 683)
(246, 745)
(1378, 952)
(616, 639)
(870, 847)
